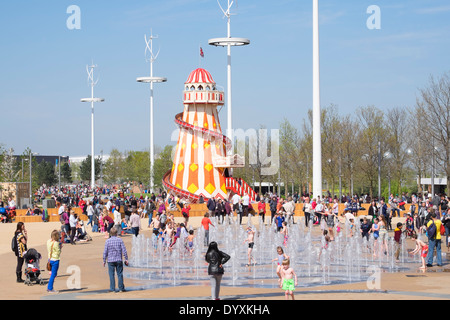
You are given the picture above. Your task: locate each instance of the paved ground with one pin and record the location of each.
(87, 259)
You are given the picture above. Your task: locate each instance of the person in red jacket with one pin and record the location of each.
(262, 209)
(205, 223)
(185, 212)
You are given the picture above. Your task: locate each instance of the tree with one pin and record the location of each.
(45, 173)
(137, 166)
(373, 132)
(85, 168)
(114, 167)
(163, 164)
(418, 142)
(66, 172)
(434, 101)
(397, 126)
(8, 166)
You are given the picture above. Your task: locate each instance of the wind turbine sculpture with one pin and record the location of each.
(92, 100)
(151, 80)
(229, 42)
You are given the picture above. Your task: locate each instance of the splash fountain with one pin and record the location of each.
(346, 259)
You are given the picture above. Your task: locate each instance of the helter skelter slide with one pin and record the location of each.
(202, 158)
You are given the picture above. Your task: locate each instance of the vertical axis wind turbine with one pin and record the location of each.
(92, 100)
(151, 80)
(317, 143)
(228, 42)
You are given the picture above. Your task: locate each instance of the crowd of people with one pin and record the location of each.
(425, 214)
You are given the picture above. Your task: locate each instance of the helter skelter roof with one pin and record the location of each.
(200, 75)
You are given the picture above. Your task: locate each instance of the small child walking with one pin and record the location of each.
(289, 278)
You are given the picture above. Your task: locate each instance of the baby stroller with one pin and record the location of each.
(32, 269)
(81, 233)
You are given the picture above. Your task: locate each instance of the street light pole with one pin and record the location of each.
(229, 42)
(317, 143)
(30, 180)
(340, 175)
(432, 169)
(379, 170)
(151, 80)
(92, 100)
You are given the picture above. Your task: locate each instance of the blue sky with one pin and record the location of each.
(43, 74)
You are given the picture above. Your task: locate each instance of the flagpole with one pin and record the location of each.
(317, 144)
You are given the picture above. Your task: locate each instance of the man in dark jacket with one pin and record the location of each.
(220, 210)
(273, 208)
(211, 205)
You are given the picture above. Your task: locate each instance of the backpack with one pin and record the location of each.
(431, 231)
(14, 244)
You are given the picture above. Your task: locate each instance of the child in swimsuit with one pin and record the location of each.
(289, 279)
(281, 257)
(190, 241)
(422, 248)
(284, 232)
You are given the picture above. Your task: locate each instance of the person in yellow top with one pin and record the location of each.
(20, 248)
(54, 253)
(434, 241)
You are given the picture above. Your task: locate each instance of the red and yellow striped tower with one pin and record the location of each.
(200, 142)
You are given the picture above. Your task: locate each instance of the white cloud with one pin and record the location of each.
(433, 10)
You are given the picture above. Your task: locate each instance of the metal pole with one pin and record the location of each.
(379, 170)
(92, 141)
(30, 181)
(229, 111)
(152, 151)
(307, 174)
(317, 144)
(59, 172)
(101, 169)
(432, 169)
(340, 175)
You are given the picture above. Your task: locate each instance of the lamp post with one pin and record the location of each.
(379, 170)
(317, 143)
(433, 168)
(388, 155)
(31, 180)
(229, 42)
(151, 80)
(340, 176)
(92, 100)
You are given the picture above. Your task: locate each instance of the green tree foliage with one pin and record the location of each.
(45, 173)
(163, 164)
(66, 172)
(137, 166)
(114, 167)
(85, 168)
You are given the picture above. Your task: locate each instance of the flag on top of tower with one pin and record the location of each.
(201, 53)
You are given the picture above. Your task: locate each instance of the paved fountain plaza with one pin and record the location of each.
(347, 259)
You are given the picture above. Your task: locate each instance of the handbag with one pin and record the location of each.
(49, 266)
